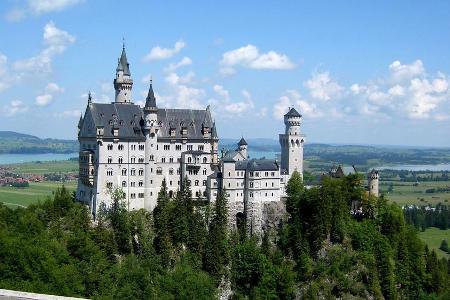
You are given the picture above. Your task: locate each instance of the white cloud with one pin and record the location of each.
(174, 79)
(292, 98)
(225, 94)
(75, 113)
(44, 100)
(250, 57)
(237, 108)
(426, 96)
(158, 53)
(4, 81)
(400, 72)
(396, 91)
(39, 7)
(53, 88)
(322, 86)
(57, 41)
(185, 61)
(14, 107)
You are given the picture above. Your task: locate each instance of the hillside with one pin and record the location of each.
(13, 142)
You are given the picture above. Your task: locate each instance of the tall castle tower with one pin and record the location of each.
(373, 180)
(151, 129)
(242, 147)
(292, 144)
(123, 82)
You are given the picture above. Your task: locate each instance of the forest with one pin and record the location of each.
(185, 250)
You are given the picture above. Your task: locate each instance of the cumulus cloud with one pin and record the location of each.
(221, 91)
(401, 72)
(293, 98)
(14, 107)
(185, 61)
(239, 107)
(39, 7)
(74, 113)
(56, 40)
(44, 100)
(250, 57)
(158, 53)
(322, 86)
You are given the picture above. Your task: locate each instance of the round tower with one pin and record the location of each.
(123, 83)
(292, 142)
(242, 148)
(373, 180)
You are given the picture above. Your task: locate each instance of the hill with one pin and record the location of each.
(14, 142)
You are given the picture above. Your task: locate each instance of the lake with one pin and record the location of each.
(21, 158)
(436, 168)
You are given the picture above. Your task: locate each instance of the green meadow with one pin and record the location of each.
(433, 237)
(40, 168)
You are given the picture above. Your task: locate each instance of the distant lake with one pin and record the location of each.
(21, 158)
(437, 168)
(266, 154)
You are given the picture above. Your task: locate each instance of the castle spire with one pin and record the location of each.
(89, 98)
(150, 101)
(123, 83)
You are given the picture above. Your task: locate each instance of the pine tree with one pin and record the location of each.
(161, 220)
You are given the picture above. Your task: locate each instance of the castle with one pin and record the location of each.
(124, 145)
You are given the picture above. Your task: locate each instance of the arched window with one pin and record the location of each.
(170, 171)
(109, 159)
(205, 160)
(152, 158)
(133, 172)
(109, 172)
(189, 159)
(163, 159)
(120, 160)
(133, 159)
(124, 184)
(124, 172)
(196, 183)
(158, 171)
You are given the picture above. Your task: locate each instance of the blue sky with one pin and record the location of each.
(360, 72)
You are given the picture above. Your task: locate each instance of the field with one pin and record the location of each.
(433, 238)
(40, 168)
(14, 197)
(408, 193)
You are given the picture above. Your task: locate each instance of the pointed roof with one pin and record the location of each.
(123, 64)
(242, 142)
(150, 101)
(293, 113)
(214, 131)
(80, 122)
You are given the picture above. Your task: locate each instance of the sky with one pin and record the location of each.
(360, 72)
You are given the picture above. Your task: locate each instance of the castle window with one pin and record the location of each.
(133, 159)
(266, 194)
(133, 195)
(171, 159)
(141, 147)
(109, 172)
(204, 182)
(170, 183)
(133, 172)
(229, 184)
(141, 159)
(266, 174)
(152, 158)
(178, 147)
(251, 195)
(141, 195)
(273, 174)
(178, 171)
(251, 174)
(141, 172)
(121, 122)
(132, 184)
(120, 147)
(200, 147)
(109, 159)
(189, 147)
(204, 171)
(166, 147)
(109, 185)
(124, 172)
(266, 184)
(124, 183)
(170, 171)
(196, 183)
(141, 183)
(110, 146)
(163, 159)
(120, 160)
(205, 160)
(158, 171)
(229, 174)
(251, 184)
(272, 184)
(189, 159)
(257, 174)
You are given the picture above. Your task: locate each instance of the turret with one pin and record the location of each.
(373, 181)
(150, 112)
(123, 82)
(292, 143)
(242, 148)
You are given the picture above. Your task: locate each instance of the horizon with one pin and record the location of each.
(355, 79)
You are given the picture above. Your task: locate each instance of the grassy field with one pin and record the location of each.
(433, 237)
(406, 193)
(15, 197)
(40, 168)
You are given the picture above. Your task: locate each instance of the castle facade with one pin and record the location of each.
(124, 145)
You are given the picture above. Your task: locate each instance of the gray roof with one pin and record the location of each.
(123, 64)
(192, 120)
(293, 113)
(124, 116)
(258, 165)
(214, 131)
(242, 142)
(150, 101)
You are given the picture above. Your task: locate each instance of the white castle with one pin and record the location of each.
(124, 145)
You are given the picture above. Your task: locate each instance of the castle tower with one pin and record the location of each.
(123, 82)
(292, 144)
(151, 129)
(215, 144)
(242, 148)
(373, 180)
